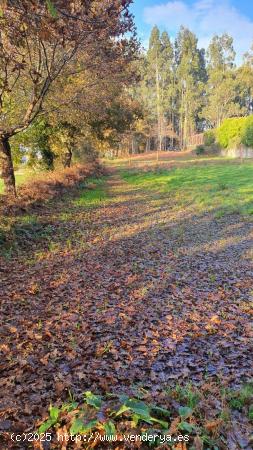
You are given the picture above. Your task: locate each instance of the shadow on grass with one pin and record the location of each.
(123, 295)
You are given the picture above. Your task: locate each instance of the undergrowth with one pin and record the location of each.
(34, 228)
(184, 417)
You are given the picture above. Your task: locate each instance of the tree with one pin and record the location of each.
(223, 86)
(41, 41)
(153, 78)
(167, 83)
(64, 140)
(245, 77)
(191, 76)
(158, 81)
(120, 118)
(38, 144)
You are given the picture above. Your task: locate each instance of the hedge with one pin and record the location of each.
(236, 131)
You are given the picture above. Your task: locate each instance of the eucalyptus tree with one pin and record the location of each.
(223, 88)
(191, 77)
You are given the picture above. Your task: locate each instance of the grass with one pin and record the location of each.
(19, 231)
(93, 193)
(21, 177)
(225, 188)
(172, 158)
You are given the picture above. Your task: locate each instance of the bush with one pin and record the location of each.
(247, 135)
(200, 150)
(213, 149)
(231, 131)
(236, 131)
(209, 137)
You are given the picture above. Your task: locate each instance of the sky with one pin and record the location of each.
(204, 17)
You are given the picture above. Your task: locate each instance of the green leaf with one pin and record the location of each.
(135, 420)
(185, 412)
(69, 406)
(88, 426)
(79, 427)
(110, 428)
(138, 417)
(76, 427)
(138, 407)
(45, 426)
(123, 398)
(51, 8)
(161, 422)
(161, 411)
(54, 413)
(93, 400)
(185, 426)
(122, 409)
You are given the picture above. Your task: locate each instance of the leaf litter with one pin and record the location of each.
(128, 293)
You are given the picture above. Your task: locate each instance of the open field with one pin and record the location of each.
(222, 187)
(171, 158)
(138, 282)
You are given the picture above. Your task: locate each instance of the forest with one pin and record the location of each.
(126, 205)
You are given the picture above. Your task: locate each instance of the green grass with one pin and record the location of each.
(224, 187)
(19, 231)
(21, 177)
(93, 193)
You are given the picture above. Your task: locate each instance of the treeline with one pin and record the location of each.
(65, 68)
(186, 90)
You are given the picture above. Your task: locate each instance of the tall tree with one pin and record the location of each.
(158, 79)
(245, 77)
(168, 91)
(191, 75)
(153, 78)
(223, 86)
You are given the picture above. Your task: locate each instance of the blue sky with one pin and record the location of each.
(204, 17)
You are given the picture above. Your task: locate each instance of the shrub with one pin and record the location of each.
(214, 149)
(200, 150)
(247, 135)
(209, 137)
(231, 131)
(236, 131)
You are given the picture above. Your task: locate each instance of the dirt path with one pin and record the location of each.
(128, 293)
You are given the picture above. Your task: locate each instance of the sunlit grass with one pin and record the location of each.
(21, 177)
(222, 187)
(173, 159)
(93, 193)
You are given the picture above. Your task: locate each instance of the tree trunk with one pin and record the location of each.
(133, 145)
(68, 158)
(148, 145)
(158, 106)
(7, 167)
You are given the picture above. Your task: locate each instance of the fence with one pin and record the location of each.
(195, 139)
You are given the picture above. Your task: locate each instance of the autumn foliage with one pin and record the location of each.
(49, 185)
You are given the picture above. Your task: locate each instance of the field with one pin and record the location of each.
(221, 187)
(135, 288)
